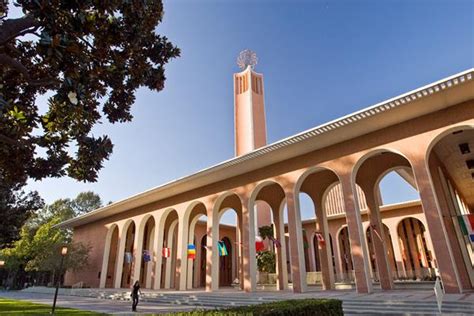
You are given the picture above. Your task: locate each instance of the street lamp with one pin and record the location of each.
(2, 263)
(63, 254)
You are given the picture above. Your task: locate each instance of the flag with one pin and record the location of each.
(191, 252)
(222, 249)
(276, 242)
(166, 252)
(320, 239)
(259, 246)
(146, 256)
(466, 222)
(128, 257)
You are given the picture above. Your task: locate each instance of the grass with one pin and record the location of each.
(18, 307)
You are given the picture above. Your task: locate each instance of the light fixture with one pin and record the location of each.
(64, 251)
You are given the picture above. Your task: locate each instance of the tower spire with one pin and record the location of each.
(249, 105)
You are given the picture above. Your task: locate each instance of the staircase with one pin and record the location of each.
(352, 305)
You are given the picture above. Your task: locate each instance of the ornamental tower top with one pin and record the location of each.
(249, 105)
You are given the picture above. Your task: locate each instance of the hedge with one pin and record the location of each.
(305, 307)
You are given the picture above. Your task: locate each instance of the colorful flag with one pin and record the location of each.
(191, 252)
(276, 242)
(146, 256)
(166, 252)
(222, 249)
(128, 257)
(466, 222)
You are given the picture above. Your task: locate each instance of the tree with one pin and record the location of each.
(15, 207)
(39, 246)
(65, 209)
(90, 57)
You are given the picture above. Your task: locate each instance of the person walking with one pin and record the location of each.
(134, 295)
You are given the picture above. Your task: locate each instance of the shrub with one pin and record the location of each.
(305, 307)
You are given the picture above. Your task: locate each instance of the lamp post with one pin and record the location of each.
(63, 254)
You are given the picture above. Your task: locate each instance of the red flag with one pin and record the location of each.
(166, 252)
(259, 246)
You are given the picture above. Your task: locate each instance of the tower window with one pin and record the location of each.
(464, 148)
(470, 163)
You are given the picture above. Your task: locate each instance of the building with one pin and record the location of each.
(426, 135)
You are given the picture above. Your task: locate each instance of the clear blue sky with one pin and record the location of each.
(321, 60)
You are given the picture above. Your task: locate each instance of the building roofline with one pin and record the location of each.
(276, 149)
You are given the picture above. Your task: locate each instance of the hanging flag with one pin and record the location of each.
(276, 242)
(259, 246)
(128, 257)
(146, 256)
(467, 225)
(166, 252)
(191, 252)
(320, 239)
(222, 249)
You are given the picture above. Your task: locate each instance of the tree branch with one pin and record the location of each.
(12, 28)
(14, 64)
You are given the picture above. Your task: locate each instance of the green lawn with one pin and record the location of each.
(17, 307)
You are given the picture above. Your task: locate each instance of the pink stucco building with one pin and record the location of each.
(425, 135)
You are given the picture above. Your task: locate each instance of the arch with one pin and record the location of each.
(375, 152)
(225, 264)
(194, 211)
(345, 254)
(271, 196)
(417, 258)
(145, 243)
(224, 202)
(311, 171)
(129, 244)
(258, 188)
(450, 179)
(443, 134)
(160, 220)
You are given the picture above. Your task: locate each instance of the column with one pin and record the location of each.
(397, 252)
(105, 259)
(327, 270)
(298, 271)
(249, 266)
(182, 253)
(356, 236)
(212, 253)
(149, 264)
(169, 260)
(121, 253)
(312, 260)
(442, 248)
(337, 257)
(137, 252)
(449, 212)
(279, 234)
(158, 247)
(378, 240)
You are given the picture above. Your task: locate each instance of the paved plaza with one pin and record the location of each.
(402, 302)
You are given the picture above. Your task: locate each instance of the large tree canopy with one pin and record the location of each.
(90, 57)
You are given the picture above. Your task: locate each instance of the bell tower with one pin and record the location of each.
(249, 105)
(249, 115)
